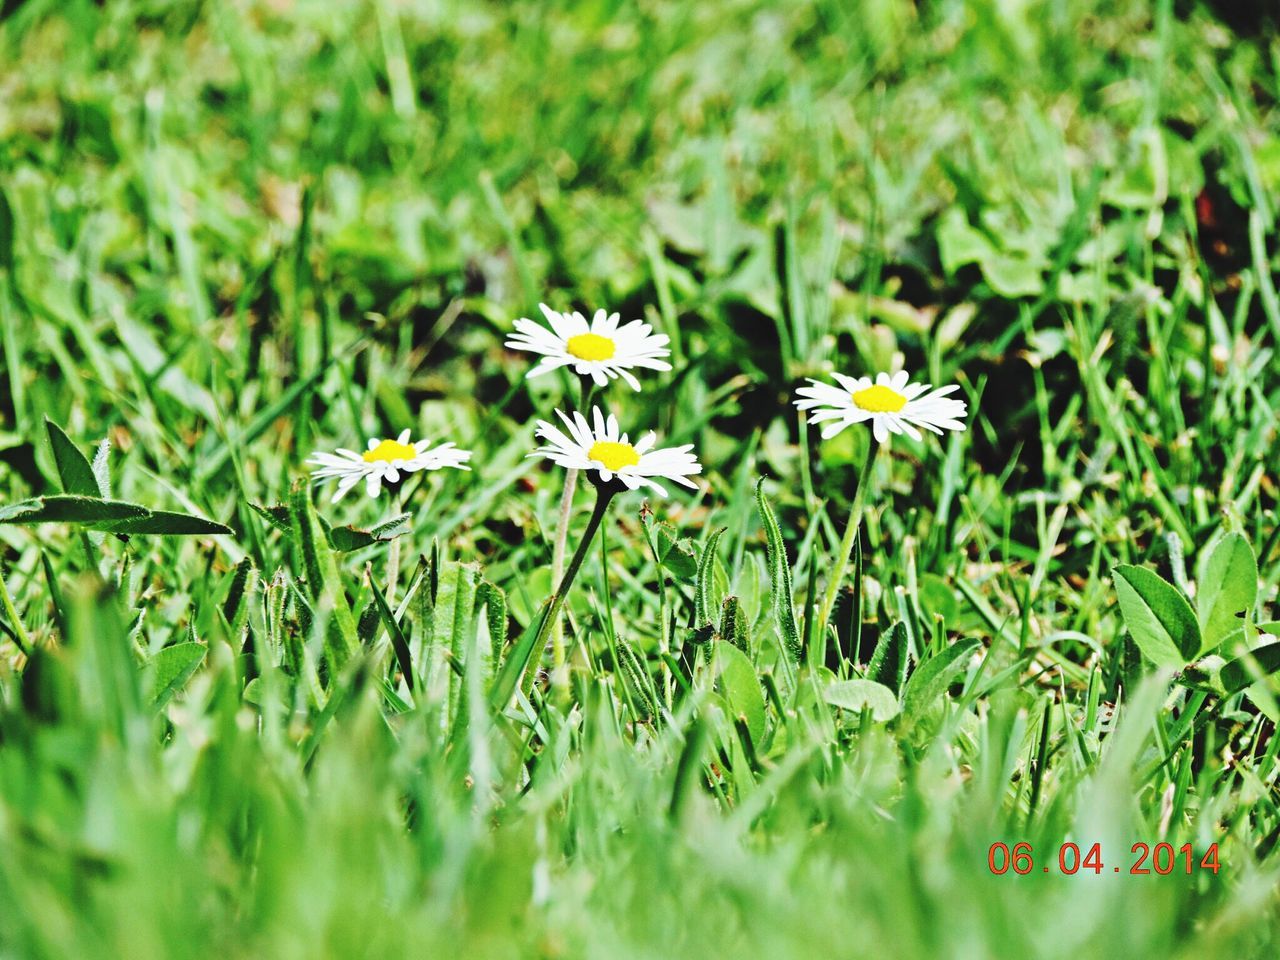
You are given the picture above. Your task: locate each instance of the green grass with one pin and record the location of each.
(232, 234)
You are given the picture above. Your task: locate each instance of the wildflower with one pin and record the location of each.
(599, 446)
(601, 349)
(892, 404)
(384, 460)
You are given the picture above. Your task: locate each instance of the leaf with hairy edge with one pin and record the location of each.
(173, 667)
(889, 662)
(1159, 618)
(90, 512)
(741, 687)
(168, 523)
(637, 677)
(858, 695)
(931, 678)
(1228, 587)
(733, 625)
(74, 470)
(494, 601)
(101, 475)
(703, 603)
(784, 613)
(240, 583)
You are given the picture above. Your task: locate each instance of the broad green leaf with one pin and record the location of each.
(348, 538)
(74, 470)
(1013, 275)
(1159, 618)
(1243, 671)
(453, 620)
(1228, 587)
(959, 243)
(784, 613)
(173, 667)
(929, 683)
(889, 662)
(90, 512)
(675, 554)
(703, 590)
(858, 695)
(741, 687)
(168, 523)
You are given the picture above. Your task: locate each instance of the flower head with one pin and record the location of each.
(384, 460)
(891, 403)
(600, 349)
(597, 445)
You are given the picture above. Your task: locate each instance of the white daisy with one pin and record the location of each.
(599, 446)
(600, 349)
(384, 460)
(891, 404)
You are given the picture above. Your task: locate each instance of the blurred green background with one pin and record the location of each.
(235, 232)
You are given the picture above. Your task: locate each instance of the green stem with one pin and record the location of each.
(603, 498)
(852, 526)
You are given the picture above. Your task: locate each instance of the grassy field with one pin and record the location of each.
(240, 720)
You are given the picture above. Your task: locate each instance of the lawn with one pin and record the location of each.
(1006, 689)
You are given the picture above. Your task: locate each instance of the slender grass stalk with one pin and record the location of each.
(851, 528)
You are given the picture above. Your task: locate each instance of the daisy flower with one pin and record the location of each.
(601, 349)
(384, 460)
(891, 404)
(599, 446)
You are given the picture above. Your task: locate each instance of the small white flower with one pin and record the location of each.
(387, 460)
(599, 446)
(891, 404)
(600, 349)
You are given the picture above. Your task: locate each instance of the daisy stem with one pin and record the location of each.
(852, 526)
(603, 498)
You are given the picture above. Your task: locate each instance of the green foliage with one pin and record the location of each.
(232, 235)
(1159, 618)
(1226, 590)
(858, 695)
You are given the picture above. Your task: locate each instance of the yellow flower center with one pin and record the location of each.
(614, 456)
(591, 346)
(389, 450)
(879, 399)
